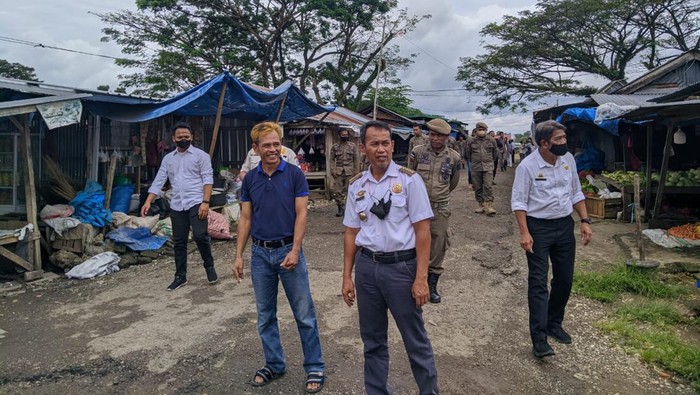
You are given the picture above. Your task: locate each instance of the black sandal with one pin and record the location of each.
(314, 378)
(267, 375)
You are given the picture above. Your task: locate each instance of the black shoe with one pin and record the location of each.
(211, 275)
(340, 212)
(542, 349)
(432, 287)
(177, 283)
(559, 334)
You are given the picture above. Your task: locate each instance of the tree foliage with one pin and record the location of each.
(17, 70)
(328, 47)
(547, 51)
(394, 98)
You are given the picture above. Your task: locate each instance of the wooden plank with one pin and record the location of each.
(30, 190)
(16, 259)
(110, 180)
(647, 196)
(640, 239)
(664, 171)
(33, 275)
(279, 112)
(217, 121)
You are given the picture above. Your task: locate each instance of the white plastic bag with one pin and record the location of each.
(99, 265)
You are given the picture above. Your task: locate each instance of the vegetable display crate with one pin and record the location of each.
(603, 208)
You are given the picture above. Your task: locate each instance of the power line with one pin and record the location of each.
(40, 45)
(429, 54)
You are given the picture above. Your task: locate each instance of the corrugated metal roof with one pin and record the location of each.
(623, 100)
(687, 110)
(17, 107)
(40, 88)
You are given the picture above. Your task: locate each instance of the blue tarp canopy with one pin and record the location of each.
(588, 115)
(241, 101)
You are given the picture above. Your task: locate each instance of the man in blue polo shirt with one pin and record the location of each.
(274, 197)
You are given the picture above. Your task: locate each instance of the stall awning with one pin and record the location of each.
(240, 101)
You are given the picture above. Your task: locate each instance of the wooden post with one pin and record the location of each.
(110, 179)
(664, 171)
(637, 218)
(647, 192)
(217, 122)
(30, 195)
(279, 112)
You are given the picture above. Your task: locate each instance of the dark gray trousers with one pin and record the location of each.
(182, 221)
(555, 240)
(382, 286)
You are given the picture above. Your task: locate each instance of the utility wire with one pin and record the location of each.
(429, 54)
(40, 45)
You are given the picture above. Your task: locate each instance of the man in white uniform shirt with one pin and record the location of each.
(546, 191)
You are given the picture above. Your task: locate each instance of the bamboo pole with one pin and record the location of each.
(217, 122)
(664, 171)
(638, 218)
(279, 112)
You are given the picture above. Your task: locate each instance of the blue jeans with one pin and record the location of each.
(265, 272)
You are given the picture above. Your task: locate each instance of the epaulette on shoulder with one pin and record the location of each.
(406, 170)
(355, 178)
(455, 151)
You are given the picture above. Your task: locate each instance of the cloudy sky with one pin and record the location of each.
(451, 33)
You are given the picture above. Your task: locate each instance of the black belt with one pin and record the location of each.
(273, 243)
(389, 257)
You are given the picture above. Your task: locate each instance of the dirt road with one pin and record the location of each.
(125, 334)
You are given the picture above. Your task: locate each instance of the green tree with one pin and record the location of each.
(329, 47)
(17, 70)
(547, 51)
(394, 98)
(104, 88)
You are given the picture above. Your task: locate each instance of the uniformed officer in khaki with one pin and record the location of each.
(417, 139)
(438, 165)
(482, 151)
(345, 162)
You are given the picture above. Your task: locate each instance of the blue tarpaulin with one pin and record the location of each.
(138, 239)
(241, 101)
(588, 115)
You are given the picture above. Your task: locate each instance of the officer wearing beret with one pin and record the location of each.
(438, 165)
(387, 241)
(345, 163)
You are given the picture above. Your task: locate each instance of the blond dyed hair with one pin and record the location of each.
(264, 128)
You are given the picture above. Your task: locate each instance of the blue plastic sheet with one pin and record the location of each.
(137, 239)
(588, 115)
(89, 206)
(121, 198)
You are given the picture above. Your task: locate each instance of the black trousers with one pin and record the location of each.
(555, 240)
(182, 221)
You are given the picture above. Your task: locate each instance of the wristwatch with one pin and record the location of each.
(207, 202)
(586, 221)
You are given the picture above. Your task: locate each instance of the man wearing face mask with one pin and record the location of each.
(482, 151)
(387, 241)
(546, 191)
(345, 162)
(191, 177)
(438, 165)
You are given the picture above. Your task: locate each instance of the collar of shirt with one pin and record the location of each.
(189, 150)
(281, 167)
(543, 163)
(391, 171)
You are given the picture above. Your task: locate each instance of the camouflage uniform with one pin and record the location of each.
(482, 152)
(345, 162)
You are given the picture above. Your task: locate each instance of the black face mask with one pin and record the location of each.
(558, 149)
(381, 208)
(344, 139)
(183, 144)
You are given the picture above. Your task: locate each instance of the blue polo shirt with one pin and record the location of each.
(272, 198)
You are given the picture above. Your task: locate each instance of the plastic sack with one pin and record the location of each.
(89, 206)
(56, 211)
(608, 111)
(218, 227)
(164, 227)
(121, 198)
(99, 265)
(232, 212)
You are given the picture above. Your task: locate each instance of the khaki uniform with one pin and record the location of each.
(416, 141)
(482, 152)
(440, 172)
(345, 161)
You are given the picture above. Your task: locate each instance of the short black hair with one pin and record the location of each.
(182, 125)
(544, 130)
(373, 124)
(416, 125)
(341, 130)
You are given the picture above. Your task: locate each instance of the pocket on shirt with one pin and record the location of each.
(399, 208)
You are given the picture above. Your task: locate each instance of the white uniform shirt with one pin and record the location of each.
(188, 173)
(545, 191)
(409, 204)
(252, 159)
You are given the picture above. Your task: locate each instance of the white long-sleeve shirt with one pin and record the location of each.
(188, 172)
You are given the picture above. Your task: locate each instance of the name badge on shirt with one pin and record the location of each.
(540, 177)
(360, 195)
